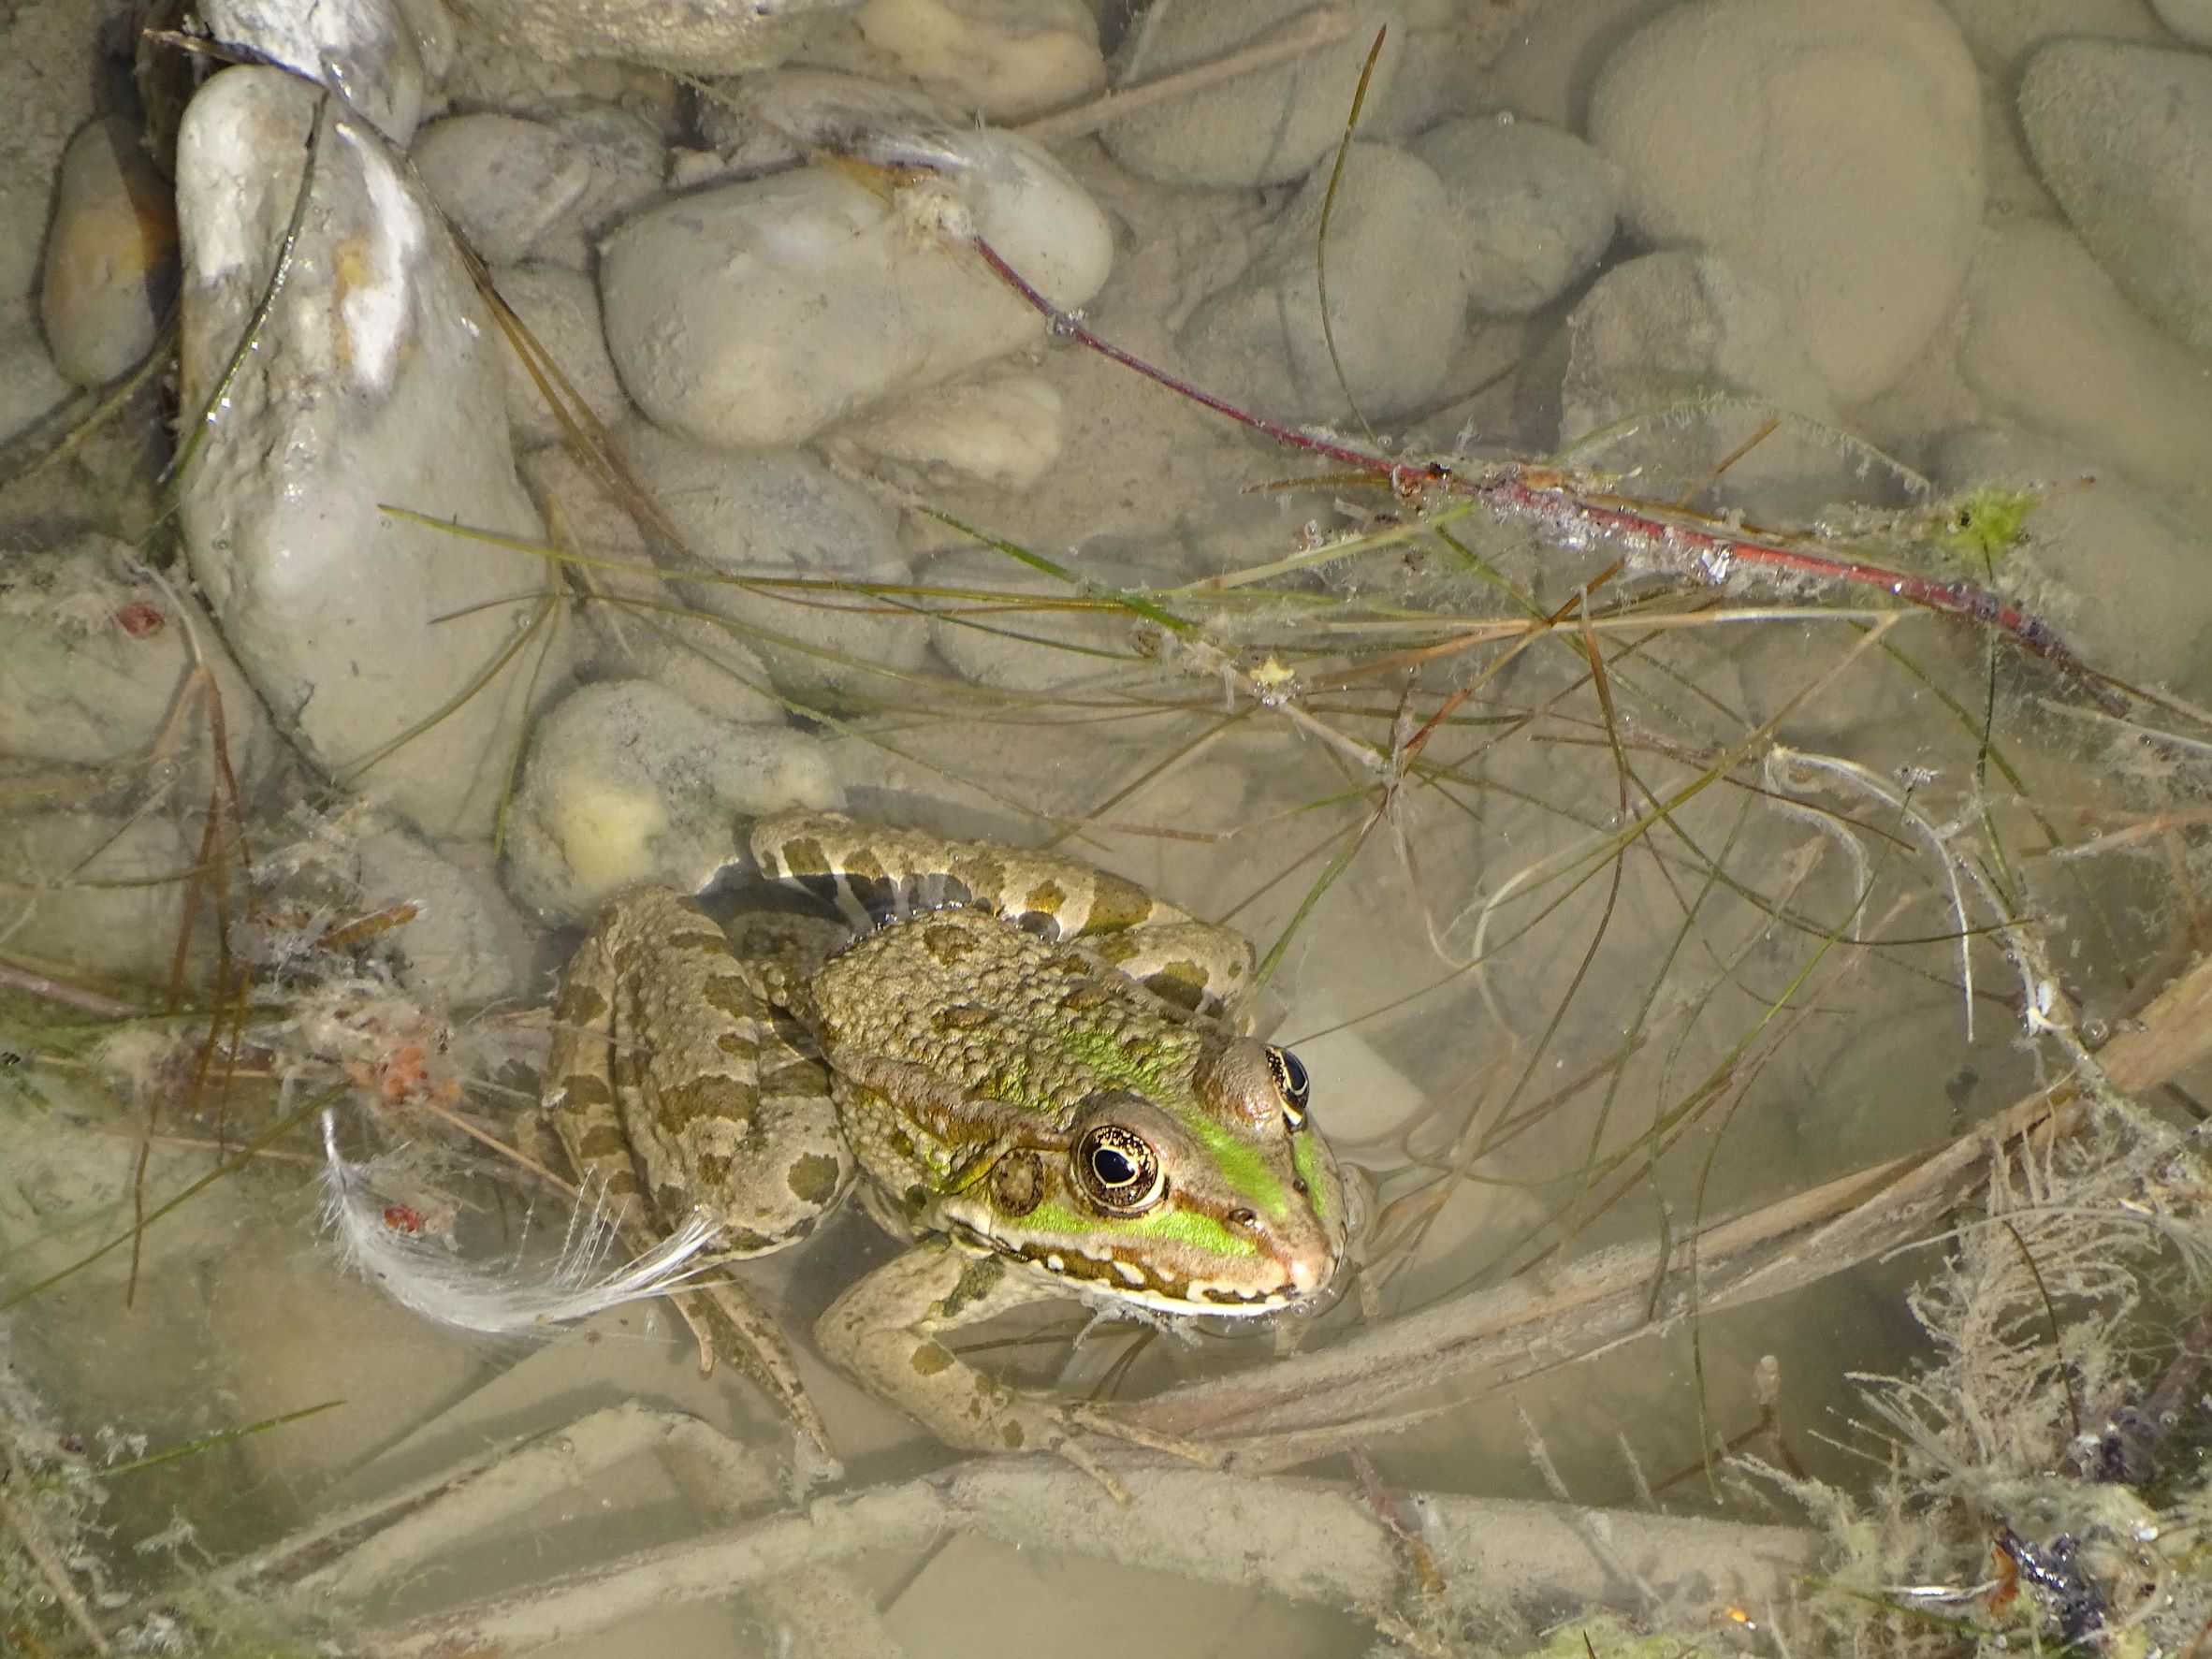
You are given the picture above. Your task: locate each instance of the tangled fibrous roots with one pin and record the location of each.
(2050, 1467)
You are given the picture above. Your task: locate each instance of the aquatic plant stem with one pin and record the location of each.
(1701, 547)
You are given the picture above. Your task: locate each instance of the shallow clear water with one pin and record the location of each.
(1608, 854)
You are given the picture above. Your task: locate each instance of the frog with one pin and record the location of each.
(1038, 1074)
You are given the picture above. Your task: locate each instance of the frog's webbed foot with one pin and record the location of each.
(887, 1329)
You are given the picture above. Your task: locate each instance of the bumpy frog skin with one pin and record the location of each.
(1035, 1066)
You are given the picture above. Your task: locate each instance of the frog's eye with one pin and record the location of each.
(1119, 1171)
(1291, 1083)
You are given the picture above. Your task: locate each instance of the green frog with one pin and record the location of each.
(1034, 1069)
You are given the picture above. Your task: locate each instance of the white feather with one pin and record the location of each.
(423, 1275)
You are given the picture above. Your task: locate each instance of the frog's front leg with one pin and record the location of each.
(671, 1087)
(888, 1330)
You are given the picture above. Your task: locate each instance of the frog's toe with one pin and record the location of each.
(1116, 1425)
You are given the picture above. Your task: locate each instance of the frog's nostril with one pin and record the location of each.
(1244, 1218)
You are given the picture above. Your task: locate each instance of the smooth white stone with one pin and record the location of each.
(997, 60)
(786, 518)
(753, 315)
(503, 180)
(683, 37)
(626, 782)
(2050, 343)
(367, 49)
(111, 266)
(1832, 151)
(2123, 137)
(1266, 127)
(1397, 300)
(1538, 206)
(374, 380)
(1003, 427)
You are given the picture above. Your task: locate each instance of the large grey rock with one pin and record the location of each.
(1266, 127)
(1832, 151)
(754, 314)
(2123, 137)
(1397, 294)
(391, 651)
(1537, 205)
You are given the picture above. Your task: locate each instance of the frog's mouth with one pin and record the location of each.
(1145, 1279)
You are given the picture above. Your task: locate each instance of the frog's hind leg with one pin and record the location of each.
(673, 1086)
(874, 875)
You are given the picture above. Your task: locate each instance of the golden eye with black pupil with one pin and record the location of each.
(1291, 1083)
(1119, 1171)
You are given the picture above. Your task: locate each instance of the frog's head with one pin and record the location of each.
(1207, 1191)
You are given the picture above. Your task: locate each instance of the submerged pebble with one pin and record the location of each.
(755, 314)
(370, 49)
(1266, 127)
(93, 655)
(626, 782)
(683, 37)
(378, 643)
(1538, 204)
(2189, 18)
(1832, 151)
(786, 519)
(2049, 342)
(1397, 294)
(111, 266)
(1002, 427)
(501, 179)
(559, 307)
(467, 945)
(995, 60)
(2122, 135)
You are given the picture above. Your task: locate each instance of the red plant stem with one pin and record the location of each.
(1705, 554)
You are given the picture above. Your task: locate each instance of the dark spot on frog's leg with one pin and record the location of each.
(710, 1096)
(602, 1140)
(1090, 993)
(1116, 904)
(1012, 1434)
(711, 1168)
(731, 994)
(743, 1241)
(931, 1357)
(584, 1091)
(797, 1079)
(902, 1143)
(813, 1179)
(1178, 985)
(737, 1046)
(959, 1016)
(802, 856)
(1047, 896)
(580, 1005)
